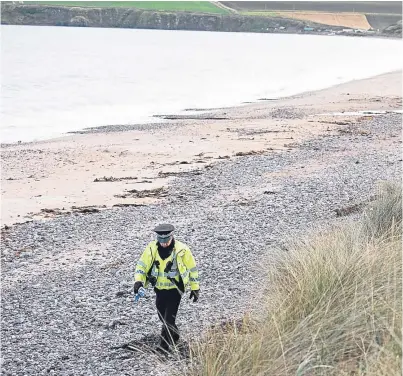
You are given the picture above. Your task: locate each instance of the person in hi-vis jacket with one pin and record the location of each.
(170, 267)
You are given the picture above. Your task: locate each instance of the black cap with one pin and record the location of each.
(164, 228)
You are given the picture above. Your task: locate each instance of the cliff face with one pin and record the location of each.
(13, 14)
(394, 29)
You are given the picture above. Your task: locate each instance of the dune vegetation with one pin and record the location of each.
(334, 306)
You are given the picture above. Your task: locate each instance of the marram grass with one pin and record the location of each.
(334, 306)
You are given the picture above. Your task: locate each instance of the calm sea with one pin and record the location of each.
(59, 79)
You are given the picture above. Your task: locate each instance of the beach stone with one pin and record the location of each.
(74, 311)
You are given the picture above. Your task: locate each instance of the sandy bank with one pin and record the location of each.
(352, 20)
(46, 178)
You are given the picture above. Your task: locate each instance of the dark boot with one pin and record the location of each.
(163, 345)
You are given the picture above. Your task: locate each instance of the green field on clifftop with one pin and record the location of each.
(185, 6)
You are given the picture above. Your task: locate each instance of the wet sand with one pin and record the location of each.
(103, 169)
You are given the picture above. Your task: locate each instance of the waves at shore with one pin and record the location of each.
(48, 89)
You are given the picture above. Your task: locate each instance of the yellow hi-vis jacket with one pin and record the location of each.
(184, 266)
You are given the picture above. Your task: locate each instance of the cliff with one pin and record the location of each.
(43, 15)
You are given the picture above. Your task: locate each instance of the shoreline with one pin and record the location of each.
(90, 172)
(52, 15)
(281, 32)
(173, 118)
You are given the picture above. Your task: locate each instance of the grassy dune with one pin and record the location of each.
(186, 6)
(334, 306)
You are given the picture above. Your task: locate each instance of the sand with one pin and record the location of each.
(348, 20)
(54, 177)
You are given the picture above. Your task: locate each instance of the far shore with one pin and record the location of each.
(111, 167)
(135, 18)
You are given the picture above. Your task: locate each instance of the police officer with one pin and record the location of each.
(170, 267)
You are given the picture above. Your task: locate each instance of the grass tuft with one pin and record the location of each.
(334, 306)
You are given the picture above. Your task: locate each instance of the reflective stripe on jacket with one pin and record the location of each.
(183, 266)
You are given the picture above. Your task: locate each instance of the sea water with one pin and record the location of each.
(60, 79)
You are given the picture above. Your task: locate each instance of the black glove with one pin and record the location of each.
(195, 295)
(136, 286)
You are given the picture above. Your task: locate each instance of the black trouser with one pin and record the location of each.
(167, 303)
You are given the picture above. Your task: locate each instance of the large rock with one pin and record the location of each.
(79, 21)
(394, 29)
